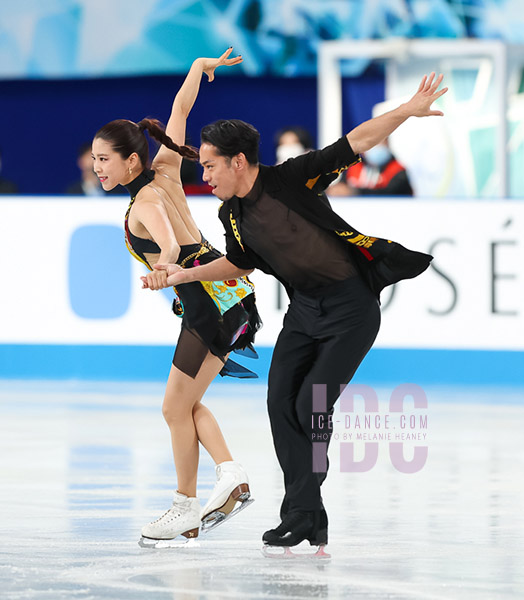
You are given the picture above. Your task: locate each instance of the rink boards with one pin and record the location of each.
(73, 304)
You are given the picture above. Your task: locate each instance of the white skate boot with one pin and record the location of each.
(230, 495)
(177, 527)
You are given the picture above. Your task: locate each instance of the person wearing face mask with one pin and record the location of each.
(291, 142)
(379, 174)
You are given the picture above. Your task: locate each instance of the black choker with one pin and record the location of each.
(139, 182)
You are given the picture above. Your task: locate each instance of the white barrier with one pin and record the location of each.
(67, 278)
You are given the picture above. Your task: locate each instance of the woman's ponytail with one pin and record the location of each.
(156, 131)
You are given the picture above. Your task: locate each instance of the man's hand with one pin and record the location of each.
(372, 132)
(164, 276)
(420, 103)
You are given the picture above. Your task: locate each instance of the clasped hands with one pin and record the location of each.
(164, 276)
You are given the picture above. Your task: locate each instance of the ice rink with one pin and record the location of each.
(85, 465)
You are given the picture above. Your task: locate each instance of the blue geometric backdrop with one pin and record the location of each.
(95, 38)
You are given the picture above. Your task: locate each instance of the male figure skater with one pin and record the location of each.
(278, 219)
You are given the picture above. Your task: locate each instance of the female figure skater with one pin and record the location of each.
(217, 317)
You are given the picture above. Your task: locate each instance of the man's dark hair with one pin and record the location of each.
(230, 137)
(303, 136)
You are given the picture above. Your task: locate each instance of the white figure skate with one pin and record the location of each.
(179, 526)
(230, 495)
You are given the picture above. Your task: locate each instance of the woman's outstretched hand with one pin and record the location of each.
(210, 64)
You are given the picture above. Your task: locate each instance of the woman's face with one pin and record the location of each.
(109, 165)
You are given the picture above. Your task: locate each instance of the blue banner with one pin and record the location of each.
(100, 38)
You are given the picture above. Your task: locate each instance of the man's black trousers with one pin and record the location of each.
(326, 335)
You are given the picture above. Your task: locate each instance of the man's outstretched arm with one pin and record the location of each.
(218, 270)
(372, 132)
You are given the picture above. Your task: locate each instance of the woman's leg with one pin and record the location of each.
(209, 434)
(189, 421)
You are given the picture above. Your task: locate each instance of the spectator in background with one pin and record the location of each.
(6, 186)
(379, 174)
(291, 142)
(88, 184)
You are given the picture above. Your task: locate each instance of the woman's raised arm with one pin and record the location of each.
(185, 99)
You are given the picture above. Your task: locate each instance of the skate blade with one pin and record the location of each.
(217, 517)
(175, 543)
(286, 552)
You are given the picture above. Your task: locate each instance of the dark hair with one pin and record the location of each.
(83, 148)
(232, 137)
(303, 135)
(127, 137)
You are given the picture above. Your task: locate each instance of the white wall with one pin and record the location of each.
(471, 298)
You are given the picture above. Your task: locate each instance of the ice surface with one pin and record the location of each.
(83, 466)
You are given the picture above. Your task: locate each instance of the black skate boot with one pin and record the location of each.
(296, 527)
(323, 519)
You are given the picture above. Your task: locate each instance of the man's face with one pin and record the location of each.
(218, 172)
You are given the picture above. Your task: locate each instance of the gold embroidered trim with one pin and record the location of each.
(357, 238)
(205, 248)
(311, 182)
(235, 230)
